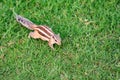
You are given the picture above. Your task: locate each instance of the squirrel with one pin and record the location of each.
(39, 31)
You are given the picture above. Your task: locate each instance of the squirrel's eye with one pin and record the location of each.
(55, 40)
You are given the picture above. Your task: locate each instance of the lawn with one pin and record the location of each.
(90, 32)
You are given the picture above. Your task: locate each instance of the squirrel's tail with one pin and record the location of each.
(24, 21)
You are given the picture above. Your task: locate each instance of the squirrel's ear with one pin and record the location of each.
(58, 34)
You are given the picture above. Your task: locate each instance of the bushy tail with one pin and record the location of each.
(24, 21)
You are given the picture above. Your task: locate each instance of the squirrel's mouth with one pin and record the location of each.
(59, 43)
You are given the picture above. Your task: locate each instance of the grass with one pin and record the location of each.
(90, 32)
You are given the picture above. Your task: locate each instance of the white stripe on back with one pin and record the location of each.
(47, 29)
(42, 32)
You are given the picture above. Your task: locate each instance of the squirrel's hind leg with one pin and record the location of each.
(34, 35)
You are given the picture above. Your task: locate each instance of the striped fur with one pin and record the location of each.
(43, 32)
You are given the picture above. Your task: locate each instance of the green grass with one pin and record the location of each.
(90, 32)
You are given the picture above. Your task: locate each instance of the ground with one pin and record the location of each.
(90, 32)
